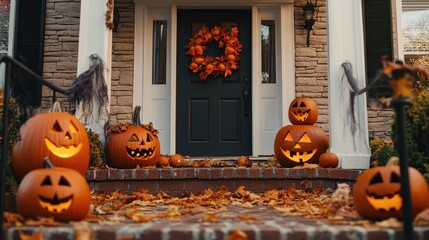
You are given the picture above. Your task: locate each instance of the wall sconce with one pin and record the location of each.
(309, 20)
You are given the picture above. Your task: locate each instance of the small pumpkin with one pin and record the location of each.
(328, 160)
(303, 111)
(57, 135)
(163, 160)
(377, 192)
(298, 144)
(176, 160)
(61, 193)
(137, 145)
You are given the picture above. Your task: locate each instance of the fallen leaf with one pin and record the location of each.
(35, 236)
(238, 235)
(422, 218)
(82, 231)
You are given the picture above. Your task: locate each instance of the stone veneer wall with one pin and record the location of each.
(61, 47)
(121, 101)
(311, 63)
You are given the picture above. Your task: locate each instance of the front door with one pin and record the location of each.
(213, 115)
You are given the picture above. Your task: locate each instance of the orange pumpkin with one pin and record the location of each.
(176, 160)
(136, 146)
(328, 160)
(298, 144)
(57, 135)
(377, 192)
(61, 193)
(303, 111)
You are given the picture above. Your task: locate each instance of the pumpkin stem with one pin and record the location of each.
(47, 163)
(56, 107)
(136, 116)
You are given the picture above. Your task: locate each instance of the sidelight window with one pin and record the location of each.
(268, 54)
(159, 52)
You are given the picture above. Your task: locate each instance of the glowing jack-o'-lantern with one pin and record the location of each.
(303, 111)
(61, 193)
(298, 144)
(57, 135)
(137, 145)
(377, 192)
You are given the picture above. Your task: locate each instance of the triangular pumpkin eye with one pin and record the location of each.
(47, 181)
(302, 104)
(133, 138)
(148, 138)
(376, 179)
(288, 137)
(73, 128)
(295, 105)
(305, 138)
(56, 127)
(394, 178)
(63, 182)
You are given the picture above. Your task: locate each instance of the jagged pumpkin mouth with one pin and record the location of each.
(55, 205)
(299, 157)
(63, 151)
(389, 202)
(140, 153)
(301, 116)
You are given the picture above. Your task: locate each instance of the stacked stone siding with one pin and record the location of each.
(61, 50)
(311, 63)
(121, 101)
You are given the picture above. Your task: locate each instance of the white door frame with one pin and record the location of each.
(269, 113)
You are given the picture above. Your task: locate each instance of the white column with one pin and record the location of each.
(95, 38)
(345, 43)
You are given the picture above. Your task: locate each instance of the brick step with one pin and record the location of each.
(272, 225)
(177, 181)
(269, 224)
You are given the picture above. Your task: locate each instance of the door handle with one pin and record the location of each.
(246, 95)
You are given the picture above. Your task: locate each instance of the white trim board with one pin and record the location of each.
(269, 101)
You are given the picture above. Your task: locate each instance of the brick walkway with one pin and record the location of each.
(259, 222)
(268, 224)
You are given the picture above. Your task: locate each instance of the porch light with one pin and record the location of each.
(309, 20)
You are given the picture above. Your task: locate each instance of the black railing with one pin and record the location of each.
(10, 62)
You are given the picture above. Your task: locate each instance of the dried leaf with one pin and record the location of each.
(210, 218)
(238, 235)
(35, 236)
(82, 231)
(422, 218)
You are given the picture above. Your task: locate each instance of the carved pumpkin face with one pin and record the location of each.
(303, 111)
(298, 144)
(377, 193)
(60, 193)
(58, 135)
(136, 146)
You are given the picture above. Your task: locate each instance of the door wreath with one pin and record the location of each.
(222, 65)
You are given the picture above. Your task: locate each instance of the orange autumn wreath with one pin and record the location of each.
(220, 65)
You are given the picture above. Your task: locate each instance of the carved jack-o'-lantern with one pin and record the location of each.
(135, 146)
(60, 193)
(303, 111)
(377, 192)
(57, 135)
(298, 144)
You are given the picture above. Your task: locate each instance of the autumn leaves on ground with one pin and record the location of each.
(334, 207)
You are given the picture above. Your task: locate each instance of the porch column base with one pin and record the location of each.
(348, 122)
(353, 161)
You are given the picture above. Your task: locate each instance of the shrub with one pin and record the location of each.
(417, 132)
(96, 149)
(14, 123)
(381, 152)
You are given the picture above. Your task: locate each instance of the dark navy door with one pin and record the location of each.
(213, 115)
